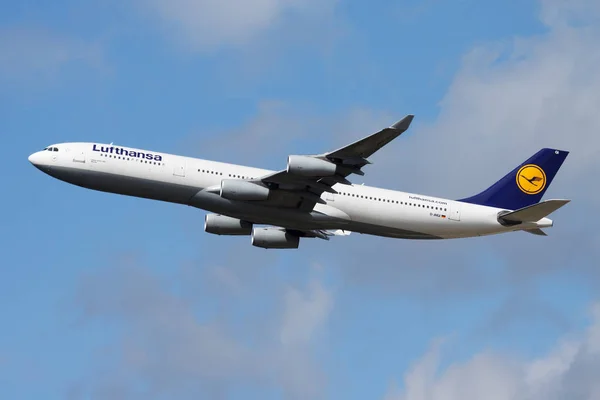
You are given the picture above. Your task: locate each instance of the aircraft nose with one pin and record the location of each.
(35, 159)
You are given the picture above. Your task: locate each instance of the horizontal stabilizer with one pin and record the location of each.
(534, 212)
(538, 232)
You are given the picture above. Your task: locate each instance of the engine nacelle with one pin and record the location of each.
(224, 225)
(274, 238)
(234, 189)
(310, 166)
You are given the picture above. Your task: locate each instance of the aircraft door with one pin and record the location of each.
(454, 211)
(79, 156)
(179, 168)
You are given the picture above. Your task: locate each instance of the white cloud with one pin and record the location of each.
(557, 12)
(513, 97)
(211, 24)
(166, 348)
(569, 371)
(508, 100)
(304, 314)
(35, 54)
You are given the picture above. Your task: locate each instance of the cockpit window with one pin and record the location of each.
(55, 149)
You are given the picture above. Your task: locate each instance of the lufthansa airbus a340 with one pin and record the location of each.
(311, 197)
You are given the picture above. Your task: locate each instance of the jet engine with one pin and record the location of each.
(274, 238)
(310, 166)
(234, 189)
(224, 225)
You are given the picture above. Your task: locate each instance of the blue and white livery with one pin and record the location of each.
(311, 197)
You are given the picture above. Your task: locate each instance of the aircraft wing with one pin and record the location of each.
(309, 176)
(366, 147)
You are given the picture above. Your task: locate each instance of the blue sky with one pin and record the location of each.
(108, 297)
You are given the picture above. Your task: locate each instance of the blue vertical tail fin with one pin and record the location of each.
(524, 185)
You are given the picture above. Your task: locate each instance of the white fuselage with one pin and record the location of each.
(184, 180)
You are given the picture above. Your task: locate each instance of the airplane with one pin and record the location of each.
(311, 197)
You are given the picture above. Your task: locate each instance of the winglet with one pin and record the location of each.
(366, 147)
(404, 123)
